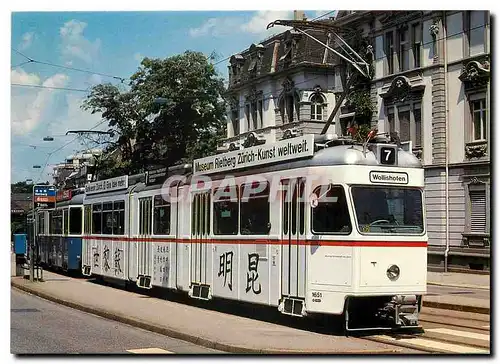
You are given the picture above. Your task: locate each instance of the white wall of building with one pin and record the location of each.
(456, 106)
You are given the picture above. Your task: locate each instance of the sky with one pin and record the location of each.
(110, 45)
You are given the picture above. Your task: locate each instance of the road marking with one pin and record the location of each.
(150, 351)
(467, 334)
(435, 345)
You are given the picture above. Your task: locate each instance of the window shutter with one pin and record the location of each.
(478, 211)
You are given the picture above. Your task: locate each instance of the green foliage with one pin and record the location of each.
(189, 125)
(359, 99)
(21, 187)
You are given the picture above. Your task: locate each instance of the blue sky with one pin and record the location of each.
(110, 43)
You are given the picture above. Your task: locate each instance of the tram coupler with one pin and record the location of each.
(399, 313)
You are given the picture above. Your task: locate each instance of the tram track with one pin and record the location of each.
(451, 337)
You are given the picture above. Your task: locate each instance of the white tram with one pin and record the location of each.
(307, 224)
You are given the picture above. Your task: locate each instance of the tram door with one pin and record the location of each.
(145, 245)
(200, 229)
(293, 249)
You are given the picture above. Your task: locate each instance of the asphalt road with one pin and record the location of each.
(447, 290)
(43, 327)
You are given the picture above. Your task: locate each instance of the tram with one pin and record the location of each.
(309, 224)
(59, 232)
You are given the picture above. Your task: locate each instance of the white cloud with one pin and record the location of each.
(75, 118)
(28, 107)
(259, 22)
(22, 77)
(138, 57)
(74, 43)
(215, 27)
(27, 40)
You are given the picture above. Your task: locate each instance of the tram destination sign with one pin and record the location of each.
(44, 196)
(283, 150)
(398, 178)
(107, 185)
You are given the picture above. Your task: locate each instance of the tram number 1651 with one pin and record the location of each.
(317, 296)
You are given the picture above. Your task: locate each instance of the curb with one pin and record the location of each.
(486, 288)
(187, 337)
(455, 307)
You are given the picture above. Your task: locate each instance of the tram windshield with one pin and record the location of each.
(388, 210)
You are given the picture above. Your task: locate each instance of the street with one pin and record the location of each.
(42, 327)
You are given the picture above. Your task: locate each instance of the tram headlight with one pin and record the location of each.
(393, 272)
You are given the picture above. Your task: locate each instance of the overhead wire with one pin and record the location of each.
(31, 60)
(63, 146)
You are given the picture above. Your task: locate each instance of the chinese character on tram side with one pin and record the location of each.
(226, 268)
(253, 275)
(106, 258)
(118, 257)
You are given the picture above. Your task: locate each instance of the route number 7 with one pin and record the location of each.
(388, 155)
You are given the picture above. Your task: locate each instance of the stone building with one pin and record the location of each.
(431, 84)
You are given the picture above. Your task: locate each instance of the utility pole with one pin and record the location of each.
(349, 55)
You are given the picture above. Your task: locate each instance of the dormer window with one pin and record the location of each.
(317, 104)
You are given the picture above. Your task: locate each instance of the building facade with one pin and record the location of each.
(431, 85)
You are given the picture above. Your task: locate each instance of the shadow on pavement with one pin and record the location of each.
(322, 324)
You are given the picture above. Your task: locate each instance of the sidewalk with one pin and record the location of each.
(458, 291)
(462, 280)
(204, 327)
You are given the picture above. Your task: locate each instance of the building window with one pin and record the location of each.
(316, 107)
(260, 111)
(235, 121)
(389, 50)
(476, 32)
(255, 120)
(404, 49)
(248, 116)
(406, 119)
(417, 44)
(390, 119)
(479, 117)
(417, 116)
(477, 200)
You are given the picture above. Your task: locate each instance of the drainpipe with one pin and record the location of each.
(446, 140)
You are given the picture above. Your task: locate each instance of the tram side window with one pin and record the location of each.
(75, 221)
(107, 218)
(161, 219)
(255, 209)
(97, 218)
(57, 222)
(226, 211)
(145, 216)
(41, 223)
(331, 215)
(66, 221)
(118, 217)
(88, 219)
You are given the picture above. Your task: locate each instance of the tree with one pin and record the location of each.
(188, 126)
